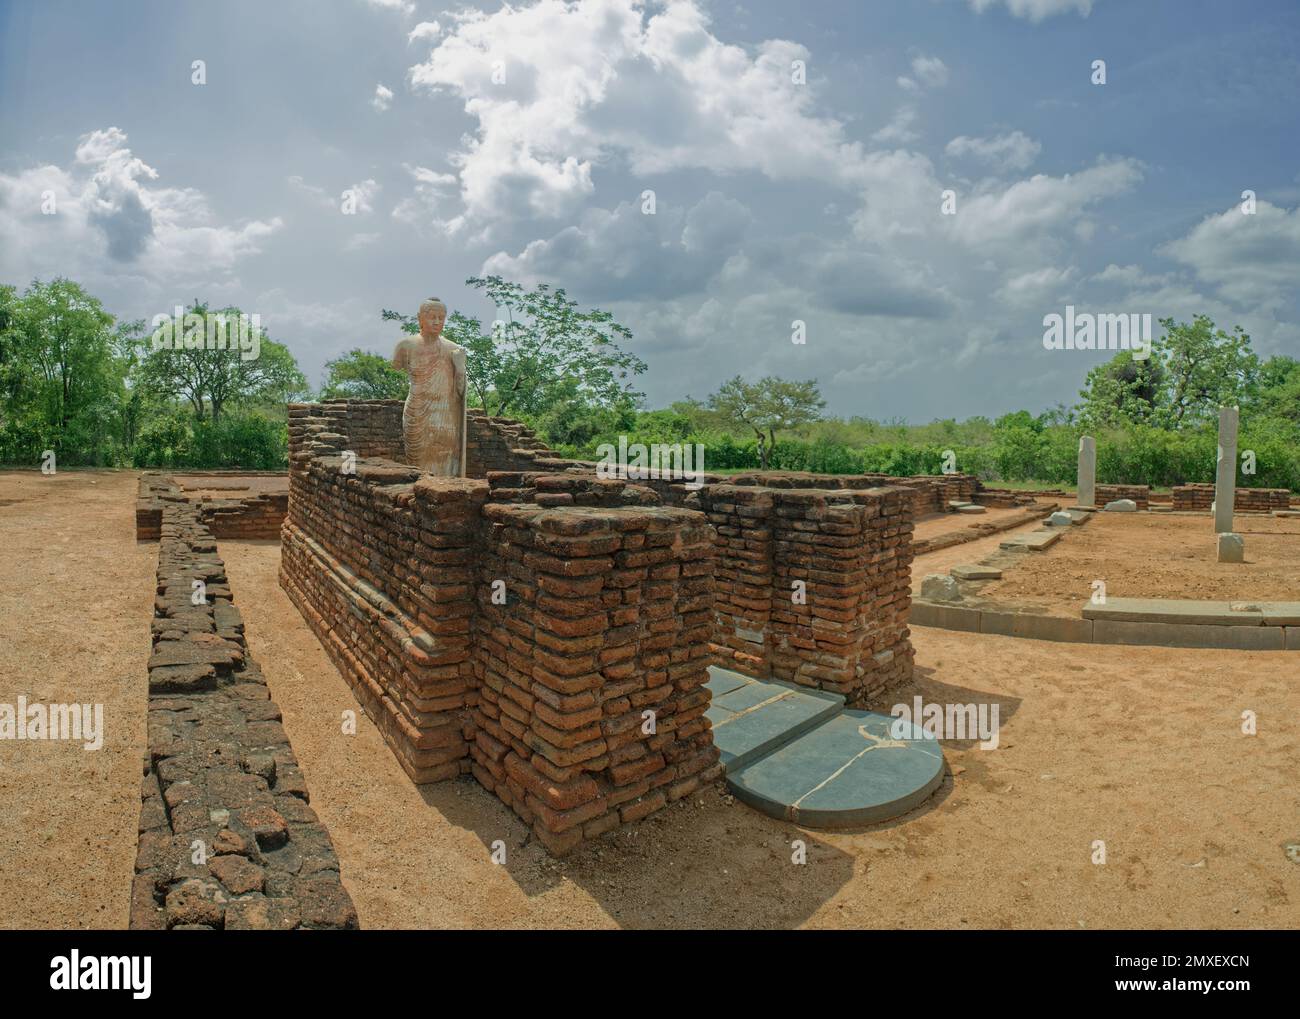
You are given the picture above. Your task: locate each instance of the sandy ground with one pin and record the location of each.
(1139, 748)
(75, 602)
(1153, 555)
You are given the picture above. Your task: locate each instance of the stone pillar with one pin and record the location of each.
(1225, 484)
(1087, 471)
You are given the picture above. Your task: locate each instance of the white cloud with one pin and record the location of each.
(401, 6)
(1249, 259)
(423, 206)
(112, 220)
(1014, 151)
(659, 90)
(383, 98)
(899, 130)
(424, 30)
(930, 71)
(1035, 10)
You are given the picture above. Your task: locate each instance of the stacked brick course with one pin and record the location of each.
(1140, 494)
(852, 551)
(591, 672)
(521, 628)
(381, 564)
(253, 516)
(221, 784)
(1245, 500)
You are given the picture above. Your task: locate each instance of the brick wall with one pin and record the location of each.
(852, 550)
(592, 655)
(381, 564)
(1140, 494)
(1245, 500)
(221, 783)
(254, 516)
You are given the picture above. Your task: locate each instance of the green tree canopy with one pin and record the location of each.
(212, 379)
(768, 406)
(362, 375)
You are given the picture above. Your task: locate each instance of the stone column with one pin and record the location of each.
(1225, 484)
(1087, 471)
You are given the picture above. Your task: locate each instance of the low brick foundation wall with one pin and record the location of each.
(1245, 500)
(843, 630)
(227, 838)
(1140, 494)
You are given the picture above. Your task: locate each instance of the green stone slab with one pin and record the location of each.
(758, 718)
(723, 681)
(845, 773)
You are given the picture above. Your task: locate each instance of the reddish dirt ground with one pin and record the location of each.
(1140, 748)
(76, 596)
(1137, 747)
(1153, 555)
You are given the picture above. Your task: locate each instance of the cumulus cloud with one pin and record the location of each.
(424, 30)
(927, 72)
(383, 98)
(110, 215)
(1249, 259)
(623, 253)
(1035, 10)
(658, 91)
(1014, 151)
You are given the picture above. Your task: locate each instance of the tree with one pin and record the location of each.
(1206, 369)
(361, 375)
(1123, 390)
(59, 373)
(543, 350)
(210, 379)
(767, 407)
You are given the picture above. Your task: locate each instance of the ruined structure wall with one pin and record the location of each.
(592, 660)
(813, 585)
(1140, 494)
(1245, 500)
(381, 564)
(219, 769)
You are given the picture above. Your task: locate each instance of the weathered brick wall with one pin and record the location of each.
(606, 617)
(368, 428)
(256, 516)
(931, 493)
(852, 550)
(1140, 494)
(1245, 500)
(221, 784)
(381, 564)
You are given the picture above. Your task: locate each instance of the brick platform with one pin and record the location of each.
(1245, 500)
(1140, 494)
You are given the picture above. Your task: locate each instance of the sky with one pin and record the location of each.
(342, 157)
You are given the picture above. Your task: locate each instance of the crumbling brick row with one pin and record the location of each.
(1245, 500)
(1140, 494)
(592, 650)
(227, 838)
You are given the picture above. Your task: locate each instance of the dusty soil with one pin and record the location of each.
(1140, 748)
(1153, 555)
(75, 602)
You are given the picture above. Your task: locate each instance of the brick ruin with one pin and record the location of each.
(1245, 500)
(1140, 494)
(549, 631)
(227, 839)
(252, 516)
